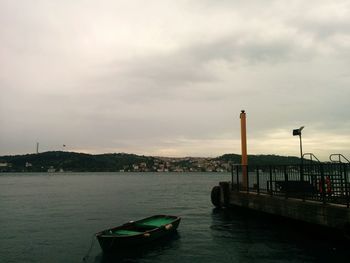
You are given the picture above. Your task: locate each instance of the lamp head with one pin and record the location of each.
(298, 131)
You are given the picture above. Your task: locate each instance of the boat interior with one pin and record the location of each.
(139, 227)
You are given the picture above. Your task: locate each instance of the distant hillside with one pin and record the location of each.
(261, 159)
(81, 162)
(70, 161)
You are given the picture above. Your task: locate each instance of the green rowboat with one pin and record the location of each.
(137, 233)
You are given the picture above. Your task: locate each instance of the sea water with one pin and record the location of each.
(52, 218)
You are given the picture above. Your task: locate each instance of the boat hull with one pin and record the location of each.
(114, 243)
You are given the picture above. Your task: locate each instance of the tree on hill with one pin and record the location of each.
(261, 159)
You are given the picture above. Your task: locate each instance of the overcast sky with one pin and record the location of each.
(170, 77)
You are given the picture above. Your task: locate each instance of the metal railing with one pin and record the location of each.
(322, 182)
(341, 158)
(312, 157)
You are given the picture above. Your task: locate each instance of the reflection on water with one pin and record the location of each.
(256, 237)
(135, 254)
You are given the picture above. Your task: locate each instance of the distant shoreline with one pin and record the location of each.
(76, 172)
(60, 162)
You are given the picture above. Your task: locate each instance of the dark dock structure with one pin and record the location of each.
(315, 193)
(312, 192)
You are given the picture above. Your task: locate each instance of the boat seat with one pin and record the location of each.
(124, 232)
(158, 222)
(145, 226)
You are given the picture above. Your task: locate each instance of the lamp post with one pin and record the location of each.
(298, 132)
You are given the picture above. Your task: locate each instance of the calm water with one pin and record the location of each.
(51, 218)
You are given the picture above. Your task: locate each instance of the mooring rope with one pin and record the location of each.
(93, 239)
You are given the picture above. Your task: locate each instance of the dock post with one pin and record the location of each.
(244, 149)
(225, 192)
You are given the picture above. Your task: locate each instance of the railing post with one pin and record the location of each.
(342, 178)
(237, 175)
(346, 184)
(286, 180)
(271, 191)
(322, 185)
(257, 180)
(247, 173)
(301, 173)
(231, 176)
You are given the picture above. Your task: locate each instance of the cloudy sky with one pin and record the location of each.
(170, 77)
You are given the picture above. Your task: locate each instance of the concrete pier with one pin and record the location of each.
(335, 216)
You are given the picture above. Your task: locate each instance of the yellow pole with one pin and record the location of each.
(244, 149)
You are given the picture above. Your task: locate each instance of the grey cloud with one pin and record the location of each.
(61, 87)
(162, 75)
